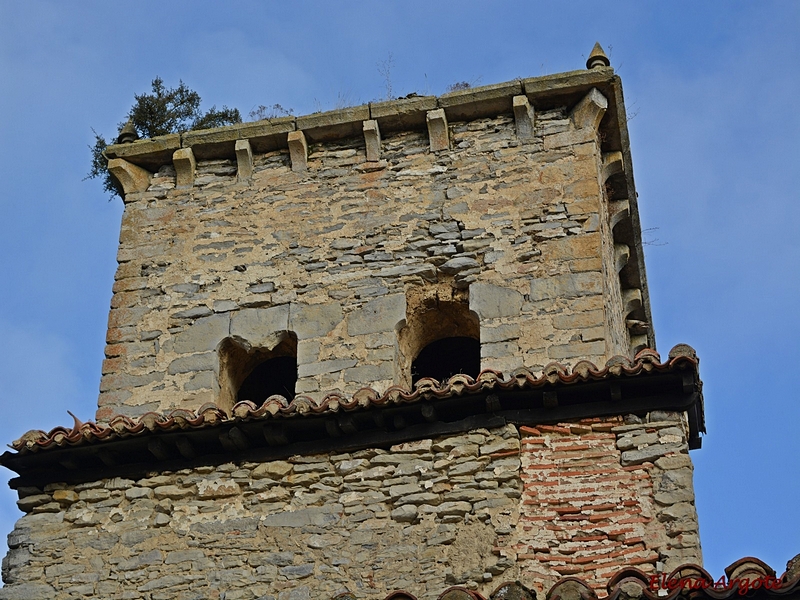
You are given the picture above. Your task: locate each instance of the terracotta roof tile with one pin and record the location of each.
(681, 358)
(630, 583)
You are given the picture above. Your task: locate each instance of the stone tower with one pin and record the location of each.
(402, 345)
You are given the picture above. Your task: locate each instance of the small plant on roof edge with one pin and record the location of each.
(458, 86)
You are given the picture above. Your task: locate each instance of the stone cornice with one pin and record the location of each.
(563, 89)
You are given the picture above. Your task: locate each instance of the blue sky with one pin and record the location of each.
(711, 89)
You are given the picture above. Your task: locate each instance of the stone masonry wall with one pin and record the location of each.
(330, 255)
(476, 509)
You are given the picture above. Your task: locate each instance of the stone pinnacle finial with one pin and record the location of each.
(127, 134)
(597, 58)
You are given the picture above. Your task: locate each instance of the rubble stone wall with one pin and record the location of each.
(527, 503)
(516, 227)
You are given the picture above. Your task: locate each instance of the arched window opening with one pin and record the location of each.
(440, 336)
(447, 357)
(255, 374)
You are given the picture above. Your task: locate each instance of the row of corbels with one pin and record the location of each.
(133, 178)
(613, 163)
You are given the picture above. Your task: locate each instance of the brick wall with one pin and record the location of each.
(601, 495)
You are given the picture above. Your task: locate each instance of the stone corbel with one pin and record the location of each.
(524, 117)
(437, 130)
(131, 177)
(637, 327)
(618, 210)
(631, 301)
(622, 253)
(184, 163)
(372, 139)
(613, 163)
(244, 159)
(589, 111)
(298, 151)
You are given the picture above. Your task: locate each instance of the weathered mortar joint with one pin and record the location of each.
(132, 178)
(185, 165)
(589, 112)
(298, 151)
(437, 130)
(372, 139)
(244, 159)
(524, 117)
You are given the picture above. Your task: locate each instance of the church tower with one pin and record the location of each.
(399, 346)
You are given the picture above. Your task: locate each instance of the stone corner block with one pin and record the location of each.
(314, 320)
(131, 177)
(185, 164)
(244, 159)
(378, 315)
(492, 301)
(298, 150)
(261, 327)
(153, 146)
(203, 335)
(568, 285)
(437, 130)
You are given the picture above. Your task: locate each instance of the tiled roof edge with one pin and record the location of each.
(681, 357)
(751, 576)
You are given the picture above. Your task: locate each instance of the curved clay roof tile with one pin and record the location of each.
(683, 350)
(571, 588)
(427, 389)
(512, 591)
(749, 567)
(555, 371)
